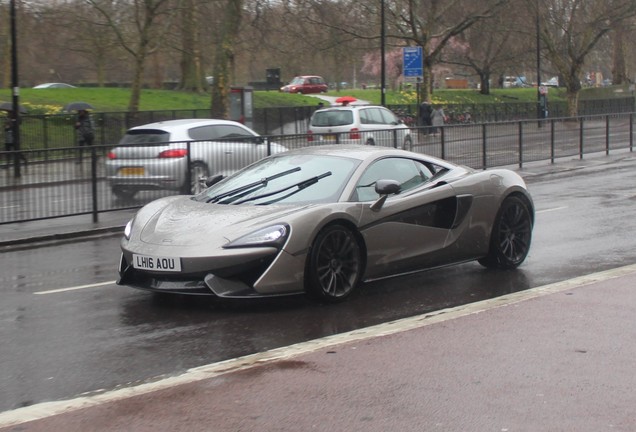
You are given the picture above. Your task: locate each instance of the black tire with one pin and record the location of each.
(198, 171)
(123, 193)
(334, 265)
(511, 235)
(370, 142)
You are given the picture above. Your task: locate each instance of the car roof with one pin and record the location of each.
(347, 107)
(170, 125)
(358, 151)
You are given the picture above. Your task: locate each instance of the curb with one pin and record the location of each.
(62, 236)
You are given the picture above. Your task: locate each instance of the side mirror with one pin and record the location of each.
(384, 188)
(387, 187)
(213, 180)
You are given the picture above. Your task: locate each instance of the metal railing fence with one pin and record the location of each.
(56, 183)
(41, 132)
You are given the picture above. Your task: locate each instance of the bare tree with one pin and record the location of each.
(570, 30)
(140, 27)
(434, 24)
(493, 46)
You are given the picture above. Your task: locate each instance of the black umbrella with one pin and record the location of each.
(8, 106)
(78, 106)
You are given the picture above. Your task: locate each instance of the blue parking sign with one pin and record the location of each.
(412, 62)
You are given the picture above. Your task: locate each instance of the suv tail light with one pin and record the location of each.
(310, 136)
(111, 155)
(174, 153)
(354, 133)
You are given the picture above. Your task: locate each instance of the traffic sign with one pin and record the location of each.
(412, 62)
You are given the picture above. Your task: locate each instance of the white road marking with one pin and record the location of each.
(48, 409)
(75, 288)
(551, 209)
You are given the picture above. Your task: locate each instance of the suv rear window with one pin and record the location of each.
(332, 118)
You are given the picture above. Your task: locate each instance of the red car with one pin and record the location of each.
(306, 84)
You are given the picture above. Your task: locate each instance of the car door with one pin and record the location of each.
(402, 235)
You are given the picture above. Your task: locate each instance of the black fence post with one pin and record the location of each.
(94, 182)
(581, 121)
(631, 132)
(607, 135)
(187, 187)
(483, 146)
(552, 141)
(520, 144)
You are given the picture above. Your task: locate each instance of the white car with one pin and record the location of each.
(359, 124)
(159, 155)
(53, 85)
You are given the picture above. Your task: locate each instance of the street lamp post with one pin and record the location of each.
(382, 55)
(541, 98)
(15, 120)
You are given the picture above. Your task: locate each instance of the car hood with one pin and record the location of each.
(188, 222)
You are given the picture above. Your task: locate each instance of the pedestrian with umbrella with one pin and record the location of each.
(83, 126)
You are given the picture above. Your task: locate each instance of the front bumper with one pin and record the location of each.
(275, 275)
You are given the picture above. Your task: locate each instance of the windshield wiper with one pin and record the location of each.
(300, 185)
(250, 187)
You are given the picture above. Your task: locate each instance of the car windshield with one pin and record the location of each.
(286, 179)
(145, 136)
(332, 118)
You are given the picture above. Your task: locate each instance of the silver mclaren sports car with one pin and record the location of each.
(321, 220)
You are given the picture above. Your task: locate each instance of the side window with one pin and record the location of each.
(388, 117)
(204, 133)
(408, 172)
(375, 116)
(233, 132)
(365, 118)
(217, 132)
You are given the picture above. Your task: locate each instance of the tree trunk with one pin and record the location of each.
(572, 98)
(191, 70)
(224, 58)
(619, 70)
(135, 90)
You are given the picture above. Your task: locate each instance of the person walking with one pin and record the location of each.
(437, 118)
(426, 110)
(85, 132)
(9, 142)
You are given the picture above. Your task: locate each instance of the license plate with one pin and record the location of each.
(132, 171)
(156, 263)
(330, 137)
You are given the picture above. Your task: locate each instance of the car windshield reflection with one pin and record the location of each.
(273, 179)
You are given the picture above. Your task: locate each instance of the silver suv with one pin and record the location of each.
(359, 124)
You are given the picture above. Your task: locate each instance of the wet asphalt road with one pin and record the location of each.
(58, 343)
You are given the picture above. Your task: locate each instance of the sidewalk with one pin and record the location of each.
(65, 228)
(555, 358)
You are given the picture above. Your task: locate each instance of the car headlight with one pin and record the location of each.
(128, 229)
(274, 235)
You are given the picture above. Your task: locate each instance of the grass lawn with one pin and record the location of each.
(51, 101)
